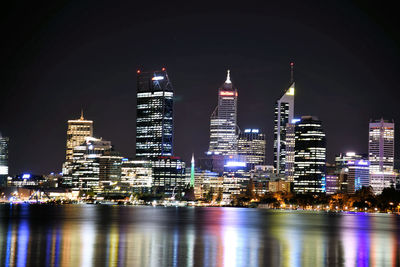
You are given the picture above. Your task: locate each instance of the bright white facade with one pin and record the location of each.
(223, 122)
(381, 155)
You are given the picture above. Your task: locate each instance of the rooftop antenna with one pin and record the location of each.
(228, 77)
(291, 72)
(82, 118)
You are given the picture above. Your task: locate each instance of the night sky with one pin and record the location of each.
(64, 56)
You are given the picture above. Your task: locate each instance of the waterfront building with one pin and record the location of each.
(27, 180)
(223, 122)
(381, 155)
(310, 156)
(284, 111)
(137, 175)
(168, 176)
(352, 170)
(3, 159)
(279, 186)
(204, 181)
(251, 146)
(85, 166)
(381, 146)
(77, 131)
(154, 115)
(331, 179)
(110, 168)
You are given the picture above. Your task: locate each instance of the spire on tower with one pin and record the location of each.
(291, 72)
(82, 118)
(228, 77)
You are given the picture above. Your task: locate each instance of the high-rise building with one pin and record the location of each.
(381, 146)
(251, 146)
(154, 115)
(284, 112)
(77, 131)
(110, 168)
(381, 155)
(85, 174)
(168, 176)
(3, 159)
(310, 156)
(223, 122)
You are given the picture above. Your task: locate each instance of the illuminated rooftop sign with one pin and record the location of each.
(290, 91)
(295, 120)
(235, 164)
(157, 78)
(26, 176)
(226, 93)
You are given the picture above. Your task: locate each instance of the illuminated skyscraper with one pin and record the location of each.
(77, 131)
(381, 155)
(85, 166)
(310, 156)
(3, 159)
(154, 115)
(223, 126)
(251, 145)
(284, 110)
(381, 146)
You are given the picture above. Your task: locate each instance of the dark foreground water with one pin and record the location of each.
(88, 235)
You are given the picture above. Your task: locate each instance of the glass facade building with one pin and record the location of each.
(310, 156)
(381, 155)
(154, 115)
(168, 176)
(223, 121)
(284, 111)
(251, 146)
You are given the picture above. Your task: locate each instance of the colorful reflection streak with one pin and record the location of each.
(89, 235)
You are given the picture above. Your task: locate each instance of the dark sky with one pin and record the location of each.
(59, 57)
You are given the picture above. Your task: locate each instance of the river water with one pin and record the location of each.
(100, 235)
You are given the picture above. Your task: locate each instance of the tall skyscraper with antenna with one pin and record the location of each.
(154, 115)
(284, 112)
(223, 122)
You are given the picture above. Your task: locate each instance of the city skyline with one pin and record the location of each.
(339, 70)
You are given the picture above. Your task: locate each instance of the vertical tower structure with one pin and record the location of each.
(77, 131)
(3, 159)
(381, 146)
(223, 122)
(154, 115)
(310, 156)
(381, 155)
(284, 112)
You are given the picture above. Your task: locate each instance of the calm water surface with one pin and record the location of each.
(89, 235)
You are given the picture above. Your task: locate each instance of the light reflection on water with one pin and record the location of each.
(87, 235)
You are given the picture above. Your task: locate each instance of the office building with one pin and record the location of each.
(284, 111)
(223, 122)
(154, 115)
(110, 168)
(251, 146)
(168, 176)
(77, 131)
(352, 170)
(85, 166)
(310, 156)
(3, 159)
(289, 150)
(137, 174)
(381, 155)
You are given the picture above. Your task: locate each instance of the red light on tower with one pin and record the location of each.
(291, 64)
(138, 71)
(163, 69)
